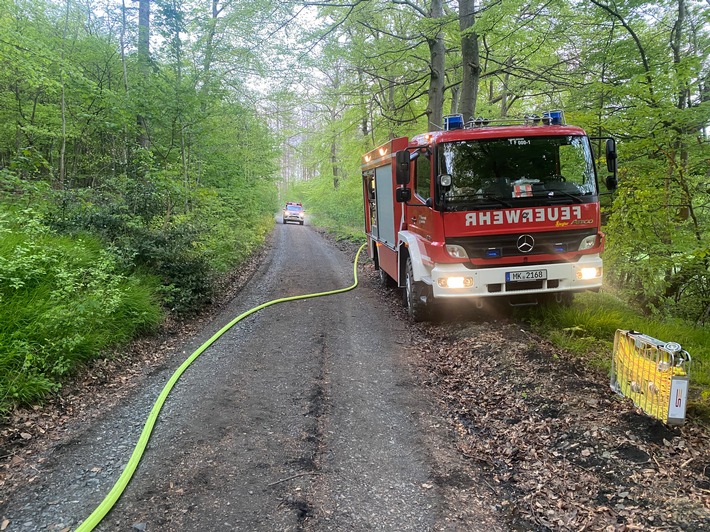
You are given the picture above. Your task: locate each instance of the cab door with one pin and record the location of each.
(419, 211)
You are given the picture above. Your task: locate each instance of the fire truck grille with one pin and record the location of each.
(511, 245)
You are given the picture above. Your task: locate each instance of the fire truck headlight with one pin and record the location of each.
(588, 243)
(455, 282)
(457, 252)
(589, 273)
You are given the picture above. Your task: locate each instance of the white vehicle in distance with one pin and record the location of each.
(293, 212)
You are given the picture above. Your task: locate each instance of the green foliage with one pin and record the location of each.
(132, 185)
(147, 225)
(588, 327)
(62, 300)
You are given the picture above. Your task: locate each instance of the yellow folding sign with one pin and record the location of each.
(654, 374)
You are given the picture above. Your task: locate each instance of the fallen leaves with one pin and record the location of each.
(555, 442)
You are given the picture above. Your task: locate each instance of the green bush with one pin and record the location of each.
(186, 240)
(62, 301)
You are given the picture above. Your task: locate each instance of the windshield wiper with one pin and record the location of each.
(495, 198)
(553, 193)
(475, 200)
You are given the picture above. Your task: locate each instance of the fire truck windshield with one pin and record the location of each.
(516, 171)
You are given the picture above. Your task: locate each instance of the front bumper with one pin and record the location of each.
(490, 282)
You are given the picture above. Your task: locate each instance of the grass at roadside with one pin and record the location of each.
(587, 329)
(62, 301)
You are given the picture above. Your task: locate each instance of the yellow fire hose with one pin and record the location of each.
(110, 500)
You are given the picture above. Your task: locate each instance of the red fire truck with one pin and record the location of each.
(487, 209)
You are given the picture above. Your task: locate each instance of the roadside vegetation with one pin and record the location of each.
(133, 180)
(62, 300)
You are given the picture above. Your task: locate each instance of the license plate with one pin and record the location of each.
(527, 275)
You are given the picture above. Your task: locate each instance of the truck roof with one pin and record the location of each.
(494, 132)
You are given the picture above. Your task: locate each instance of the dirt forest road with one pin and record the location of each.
(336, 413)
(304, 416)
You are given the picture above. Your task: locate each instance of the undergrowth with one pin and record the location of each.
(62, 300)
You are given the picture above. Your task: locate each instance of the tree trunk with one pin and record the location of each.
(209, 50)
(144, 30)
(437, 52)
(470, 59)
(63, 147)
(144, 58)
(364, 126)
(124, 158)
(334, 162)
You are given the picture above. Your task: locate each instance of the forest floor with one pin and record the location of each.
(557, 449)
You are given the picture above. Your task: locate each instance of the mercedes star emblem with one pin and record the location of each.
(525, 243)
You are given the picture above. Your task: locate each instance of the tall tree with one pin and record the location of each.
(470, 59)
(437, 62)
(144, 61)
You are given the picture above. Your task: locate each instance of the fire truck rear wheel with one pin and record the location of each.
(417, 309)
(385, 280)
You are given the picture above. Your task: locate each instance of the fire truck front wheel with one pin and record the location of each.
(417, 295)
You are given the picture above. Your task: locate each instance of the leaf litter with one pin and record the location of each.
(560, 450)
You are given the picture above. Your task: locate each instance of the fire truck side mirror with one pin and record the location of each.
(403, 195)
(402, 172)
(611, 155)
(611, 181)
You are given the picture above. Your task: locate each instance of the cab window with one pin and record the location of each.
(423, 176)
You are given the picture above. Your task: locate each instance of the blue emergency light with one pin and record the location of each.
(453, 122)
(560, 247)
(555, 118)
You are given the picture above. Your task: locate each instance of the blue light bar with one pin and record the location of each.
(493, 253)
(556, 118)
(453, 122)
(560, 248)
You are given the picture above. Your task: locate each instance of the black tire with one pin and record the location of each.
(301, 223)
(283, 221)
(385, 280)
(417, 309)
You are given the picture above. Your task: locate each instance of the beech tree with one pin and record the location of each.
(470, 59)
